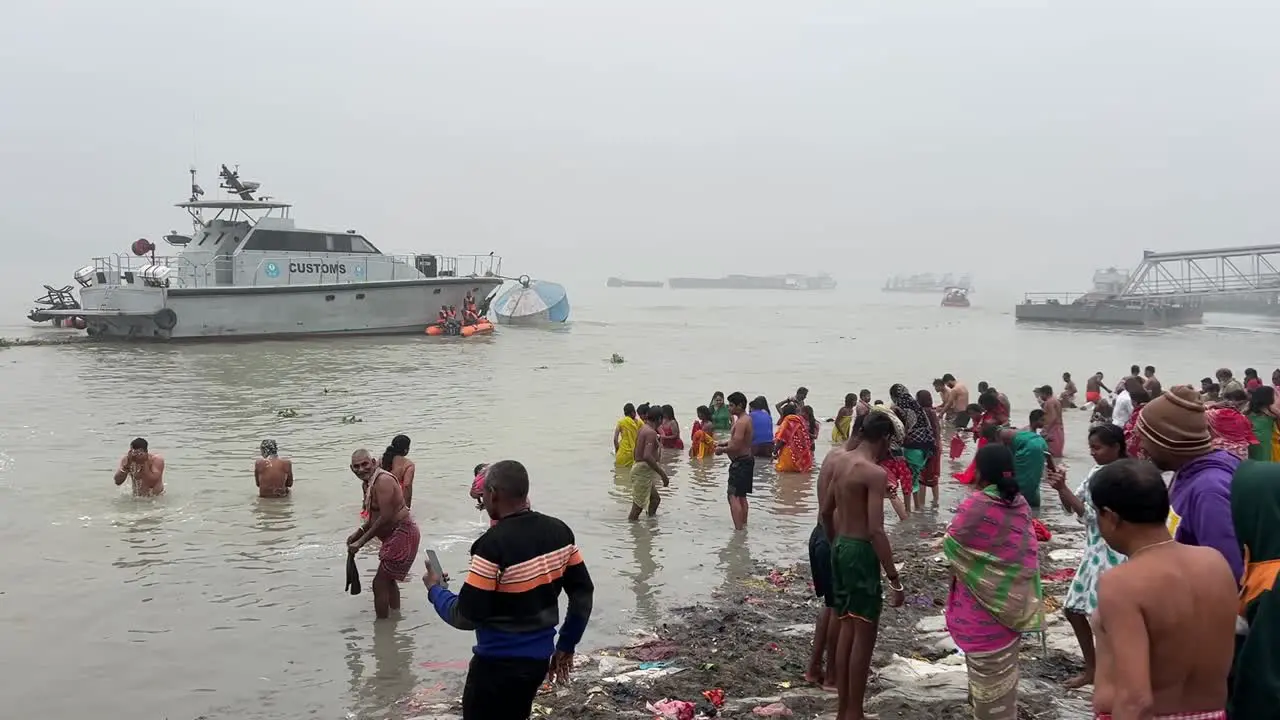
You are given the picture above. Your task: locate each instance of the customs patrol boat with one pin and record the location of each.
(249, 271)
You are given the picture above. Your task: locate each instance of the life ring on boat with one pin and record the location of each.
(166, 319)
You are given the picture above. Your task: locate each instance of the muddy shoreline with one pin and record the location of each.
(752, 639)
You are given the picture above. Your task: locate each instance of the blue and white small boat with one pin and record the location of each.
(532, 302)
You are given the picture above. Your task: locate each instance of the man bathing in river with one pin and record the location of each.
(742, 464)
(852, 512)
(389, 521)
(645, 471)
(955, 408)
(1093, 388)
(144, 468)
(271, 473)
(1166, 618)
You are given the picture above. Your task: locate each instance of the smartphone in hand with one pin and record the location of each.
(433, 561)
(1048, 460)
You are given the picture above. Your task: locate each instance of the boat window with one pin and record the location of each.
(360, 245)
(295, 241)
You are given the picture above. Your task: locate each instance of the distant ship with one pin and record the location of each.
(755, 282)
(928, 283)
(619, 282)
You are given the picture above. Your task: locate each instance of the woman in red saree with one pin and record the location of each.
(669, 430)
(793, 443)
(703, 438)
(994, 412)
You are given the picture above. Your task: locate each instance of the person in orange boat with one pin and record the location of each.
(442, 318)
(792, 442)
(669, 430)
(703, 440)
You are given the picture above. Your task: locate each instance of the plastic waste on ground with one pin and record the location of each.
(672, 709)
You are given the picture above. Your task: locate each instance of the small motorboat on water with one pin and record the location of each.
(956, 297)
(481, 327)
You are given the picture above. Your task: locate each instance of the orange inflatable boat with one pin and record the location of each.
(483, 327)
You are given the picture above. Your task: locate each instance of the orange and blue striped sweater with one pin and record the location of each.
(511, 595)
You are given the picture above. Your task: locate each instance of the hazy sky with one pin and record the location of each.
(583, 139)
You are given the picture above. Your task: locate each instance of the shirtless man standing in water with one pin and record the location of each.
(389, 521)
(852, 512)
(271, 473)
(742, 465)
(645, 469)
(146, 469)
(1165, 623)
(955, 411)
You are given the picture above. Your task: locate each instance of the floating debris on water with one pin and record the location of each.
(617, 359)
(351, 419)
(287, 413)
(41, 341)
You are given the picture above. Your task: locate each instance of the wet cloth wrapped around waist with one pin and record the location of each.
(353, 575)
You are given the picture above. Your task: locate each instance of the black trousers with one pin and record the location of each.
(502, 688)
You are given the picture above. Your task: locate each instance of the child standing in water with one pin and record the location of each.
(703, 439)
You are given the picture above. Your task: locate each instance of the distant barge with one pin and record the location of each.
(619, 282)
(755, 282)
(1092, 309)
(1106, 306)
(928, 283)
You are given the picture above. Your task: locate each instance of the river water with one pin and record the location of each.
(211, 603)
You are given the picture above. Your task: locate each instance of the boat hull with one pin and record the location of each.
(371, 308)
(1101, 314)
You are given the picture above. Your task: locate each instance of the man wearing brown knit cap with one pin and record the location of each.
(1175, 435)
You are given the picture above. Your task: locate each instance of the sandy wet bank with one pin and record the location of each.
(752, 639)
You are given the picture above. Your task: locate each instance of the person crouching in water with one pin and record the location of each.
(272, 474)
(761, 427)
(389, 521)
(703, 440)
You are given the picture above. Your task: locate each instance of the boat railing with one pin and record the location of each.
(1041, 298)
(119, 267)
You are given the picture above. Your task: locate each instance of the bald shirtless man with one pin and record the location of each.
(271, 473)
(144, 468)
(389, 521)
(1166, 618)
(852, 512)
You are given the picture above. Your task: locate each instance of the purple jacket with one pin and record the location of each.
(1201, 496)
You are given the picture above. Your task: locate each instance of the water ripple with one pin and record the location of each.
(237, 602)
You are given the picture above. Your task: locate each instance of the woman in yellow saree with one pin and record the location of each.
(792, 443)
(844, 419)
(703, 438)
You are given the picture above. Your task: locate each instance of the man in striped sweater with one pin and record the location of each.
(511, 599)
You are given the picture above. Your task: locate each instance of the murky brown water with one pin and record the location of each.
(210, 602)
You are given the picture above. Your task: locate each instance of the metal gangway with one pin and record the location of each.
(1193, 274)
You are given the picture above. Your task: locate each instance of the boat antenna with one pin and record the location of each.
(197, 221)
